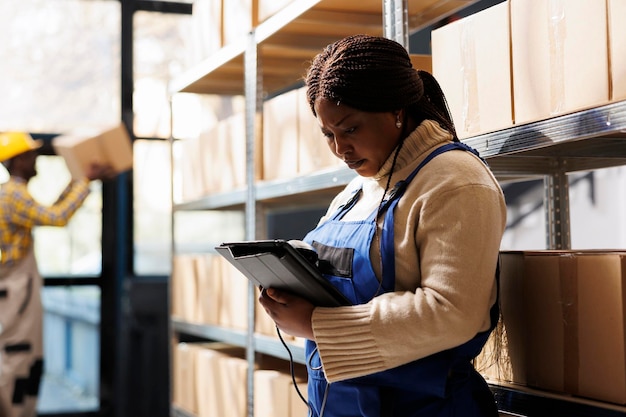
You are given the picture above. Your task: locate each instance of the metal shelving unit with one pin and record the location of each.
(275, 56)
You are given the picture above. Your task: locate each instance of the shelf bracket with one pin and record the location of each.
(556, 200)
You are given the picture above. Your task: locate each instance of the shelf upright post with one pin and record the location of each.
(170, 330)
(252, 90)
(556, 199)
(396, 22)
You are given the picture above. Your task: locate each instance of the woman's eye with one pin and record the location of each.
(350, 130)
(327, 135)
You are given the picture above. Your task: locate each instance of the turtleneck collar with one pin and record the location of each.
(427, 135)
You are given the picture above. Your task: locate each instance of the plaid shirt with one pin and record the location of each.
(19, 212)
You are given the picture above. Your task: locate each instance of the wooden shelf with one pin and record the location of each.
(288, 40)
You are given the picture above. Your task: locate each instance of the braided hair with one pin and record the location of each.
(375, 74)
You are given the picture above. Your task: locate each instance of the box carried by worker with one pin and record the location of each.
(80, 150)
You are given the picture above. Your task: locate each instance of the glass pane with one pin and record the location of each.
(526, 220)
(60, 65)
(60, 70)
(159, 56)
(76, 248)
(152, 207)
(71, 380)
(597, 207)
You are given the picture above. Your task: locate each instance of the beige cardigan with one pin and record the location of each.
(448, 228)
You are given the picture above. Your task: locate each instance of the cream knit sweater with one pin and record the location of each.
(448, 228)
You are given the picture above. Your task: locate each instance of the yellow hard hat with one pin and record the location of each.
(15, 143)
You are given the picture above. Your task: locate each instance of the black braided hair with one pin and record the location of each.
(375, 74)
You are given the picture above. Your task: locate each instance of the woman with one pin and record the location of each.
(413, 241)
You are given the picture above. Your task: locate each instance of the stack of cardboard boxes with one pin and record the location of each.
(520, 61)
(210, 379)
(564, 315)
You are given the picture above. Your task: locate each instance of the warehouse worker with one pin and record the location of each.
(413, 241)
(21, 351)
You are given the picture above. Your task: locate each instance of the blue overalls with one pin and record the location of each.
(442, 385)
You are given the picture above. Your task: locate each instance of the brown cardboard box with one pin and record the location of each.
(112, 146)
(263, 323)
(422, 62)
(602, 324)
(190, 166)
(224, 150)
(234, 297)
(271, 393)
(208, 289)
(184, 288)
(471, 60)
(237, 20)
(233, 373)
(184, 395)
(267, 8)
(280, 136)
(313, 151)
(503, 358)
(209, 388)
(298, 408)
(206, 27)
(208, 163)
(570, 321)
(617, 48)
(559, 56)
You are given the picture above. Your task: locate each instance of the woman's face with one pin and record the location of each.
(363, 140)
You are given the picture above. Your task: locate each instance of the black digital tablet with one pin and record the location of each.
(277, 264)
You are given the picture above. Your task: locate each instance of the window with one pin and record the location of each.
(60, 70)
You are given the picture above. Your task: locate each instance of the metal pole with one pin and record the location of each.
(253, 85)
(395, 21)
(556, 199)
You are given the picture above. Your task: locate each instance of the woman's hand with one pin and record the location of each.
(292, 314)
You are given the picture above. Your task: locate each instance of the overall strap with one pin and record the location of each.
(388, 206)
(347, 206)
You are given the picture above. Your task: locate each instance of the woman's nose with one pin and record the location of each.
(341, 146)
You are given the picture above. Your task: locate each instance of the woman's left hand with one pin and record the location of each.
(292, 314)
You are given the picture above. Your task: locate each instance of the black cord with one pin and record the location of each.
(291, 367)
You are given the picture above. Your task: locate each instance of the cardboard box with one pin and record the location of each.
(313, 151)
(234, 297)
(559, 56)
(471, 60)
(567, 325)
(617, 48)
(280, 136)
(184, 391)
(422, 62)
(237, 20)
(224, 150)
(233, 374)
(263, 323)
(503, 359)
(210, 390)
(298, 408)
(271, 393)
(267, 8)
(209, 289)
(184, 288)
(81, 149)
(206, 28)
